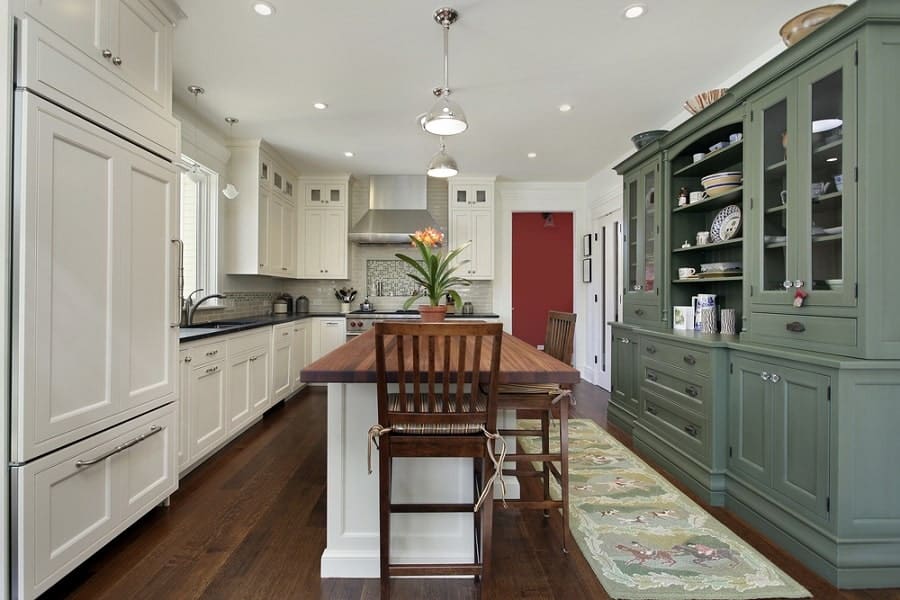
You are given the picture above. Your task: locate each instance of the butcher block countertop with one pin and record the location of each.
(520, 362)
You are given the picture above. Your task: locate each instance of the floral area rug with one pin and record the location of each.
(644, 538)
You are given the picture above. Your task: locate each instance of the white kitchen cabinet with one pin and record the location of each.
(261, 223)
(301, 352)
(72, 502)
(205, 407)
(249, 377)
(323, 244)
(96, 308)
(111, 59)
(328, 334)
(283, 361)
(472, 220)
(325, 194)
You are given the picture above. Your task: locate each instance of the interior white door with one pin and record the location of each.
(605, 301)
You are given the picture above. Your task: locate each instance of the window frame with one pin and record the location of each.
(207, 267)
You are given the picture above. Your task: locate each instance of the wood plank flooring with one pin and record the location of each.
(250, 523)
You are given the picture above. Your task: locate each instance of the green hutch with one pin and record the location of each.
(792, 422)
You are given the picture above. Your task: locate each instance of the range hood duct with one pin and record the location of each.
(397, 208)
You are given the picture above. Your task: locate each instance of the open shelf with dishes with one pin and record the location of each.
(706, 220)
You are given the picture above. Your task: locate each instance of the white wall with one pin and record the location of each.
(539, 197)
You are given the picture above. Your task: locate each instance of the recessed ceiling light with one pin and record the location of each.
(565, 107)
(263, 9)
(633, 11)
(348, 154)
(532, 155)
(320, 105)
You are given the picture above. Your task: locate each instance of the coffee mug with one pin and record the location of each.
(735, 137)
(699, 156)
(702, 237)
(685, 272)
(695, 197)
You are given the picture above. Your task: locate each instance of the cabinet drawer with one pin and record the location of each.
(252, 339)
(640, 314)
(691, 359)
(691, 393)
(788, 330)
(70, 503)
(203, 354)
(683, 430)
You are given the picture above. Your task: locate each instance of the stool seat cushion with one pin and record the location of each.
(437, 428)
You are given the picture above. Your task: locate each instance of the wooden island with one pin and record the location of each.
(352, 494)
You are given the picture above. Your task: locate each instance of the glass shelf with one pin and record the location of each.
(710, 279)
(712, 245)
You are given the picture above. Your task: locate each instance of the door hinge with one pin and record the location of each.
(595, 237)
(828, 504)
(829, 393)
(856, 57)
(595, 359)
(751, 290)
(595, 297)
(751, 116)
(730, 452)
(751, 201)
(657, 291)
(856, 290)
(731, 368)
(856, 174)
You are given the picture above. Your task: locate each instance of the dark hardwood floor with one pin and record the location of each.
(250, 523)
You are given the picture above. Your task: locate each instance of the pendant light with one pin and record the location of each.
(442, 164)
(446, 117)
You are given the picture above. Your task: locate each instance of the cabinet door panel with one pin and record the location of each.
(289, 241)
(800, 468)
(239, 392)
(259, 384)
(301, 352)
(313, 239)
(462, 232)
(282, 360)
(207, 408)
(142, 46)
(749, 416)
(148, 469)
(65, 256)
(483, 247)
(153, 340)
(334, 244)
(274, 234)
(84, 23)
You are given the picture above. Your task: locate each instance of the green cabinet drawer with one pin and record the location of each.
(691, 359)
(682, 429)
(691, 393)
(643, 314)
(827, 334)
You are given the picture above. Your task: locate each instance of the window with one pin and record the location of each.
(199, 227)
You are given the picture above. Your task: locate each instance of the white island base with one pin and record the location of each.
(352, 547)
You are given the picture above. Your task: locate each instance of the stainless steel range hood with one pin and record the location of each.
(397, 208)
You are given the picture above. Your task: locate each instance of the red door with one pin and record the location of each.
(541, 271)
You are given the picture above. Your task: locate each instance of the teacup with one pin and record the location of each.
(685, 272)
(699, 156)
(702, 237)
(735, 137)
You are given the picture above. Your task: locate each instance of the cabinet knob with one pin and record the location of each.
(765, 376)
(651, 349)
(107, 53)
(788, 284)
(212, 352)
(188, 359)
(798, 283)
(691, 391)
(637, 287)
(689, 359)
(117, 61)
(639, 311)
(625, 340)
(691, 430)
(651, 376)
(775, 378)
(262, 265)
(652, 409)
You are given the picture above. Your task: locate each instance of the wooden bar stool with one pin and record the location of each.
(559, 343)
(427, 417)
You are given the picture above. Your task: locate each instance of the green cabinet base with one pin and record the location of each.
(620, 417)
(708, 485)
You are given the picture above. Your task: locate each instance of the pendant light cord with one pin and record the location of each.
(446, 25)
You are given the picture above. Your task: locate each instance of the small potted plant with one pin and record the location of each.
(434, 273)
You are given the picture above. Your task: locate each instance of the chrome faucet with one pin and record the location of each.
(186, 304)
(193, 309)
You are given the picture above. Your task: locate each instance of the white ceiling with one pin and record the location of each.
(512, 63)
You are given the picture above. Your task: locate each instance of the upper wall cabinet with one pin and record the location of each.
(111, 59)
(472, 221)
(331, 194)
(261, 223)
(323, 228)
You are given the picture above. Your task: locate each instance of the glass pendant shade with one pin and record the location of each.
(446, 117)
(442, 165)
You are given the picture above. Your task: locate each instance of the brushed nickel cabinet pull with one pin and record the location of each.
(212, 352)
(652, 410)
(652, 376)
(691, 430)
(639, 312)
(689, 359)
(691, 391)
(188, 359)
(795, 326)
(651, 349)
(154, 429)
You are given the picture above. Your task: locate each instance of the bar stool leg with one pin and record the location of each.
(545, 449)
(384, 510)
(487, 523)
(564, 467)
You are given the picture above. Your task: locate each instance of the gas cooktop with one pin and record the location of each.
(398, 311)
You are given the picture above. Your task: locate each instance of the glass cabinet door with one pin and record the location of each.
(773, 175)
(631, 235)
(648, 284)
(827, 145)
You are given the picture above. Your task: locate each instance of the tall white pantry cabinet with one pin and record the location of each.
(95, 302)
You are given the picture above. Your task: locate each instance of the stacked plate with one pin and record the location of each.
(726, 224)
(717, 184)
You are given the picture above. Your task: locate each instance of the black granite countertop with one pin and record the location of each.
(212, 329)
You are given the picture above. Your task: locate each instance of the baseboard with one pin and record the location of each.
(708, 485)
